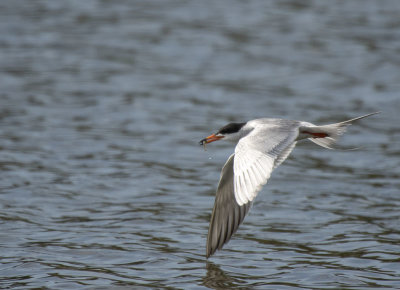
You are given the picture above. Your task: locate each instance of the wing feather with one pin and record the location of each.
(227, 214)
(255, 159)
(245, 190)
(285, 153)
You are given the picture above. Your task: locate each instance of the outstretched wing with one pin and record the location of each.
(227, 214)
(256, 155)
(242, 177)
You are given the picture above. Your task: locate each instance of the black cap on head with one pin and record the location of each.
(231, 128)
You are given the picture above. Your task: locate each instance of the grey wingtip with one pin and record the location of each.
(209, 251)
(208, 255)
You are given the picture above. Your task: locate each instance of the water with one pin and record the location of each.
(102, 104)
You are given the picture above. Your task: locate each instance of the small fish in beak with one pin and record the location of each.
(210, 139)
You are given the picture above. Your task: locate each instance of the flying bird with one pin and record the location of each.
(261, 146)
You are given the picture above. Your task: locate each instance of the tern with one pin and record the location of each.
(261, 146)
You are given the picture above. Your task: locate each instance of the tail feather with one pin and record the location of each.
(328, 135)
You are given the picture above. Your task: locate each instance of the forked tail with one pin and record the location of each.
(327, 135)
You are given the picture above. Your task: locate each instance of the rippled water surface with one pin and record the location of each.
(102, 105)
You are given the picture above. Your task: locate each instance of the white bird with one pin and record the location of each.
(262, 145)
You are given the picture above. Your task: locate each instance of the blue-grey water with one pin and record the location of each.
(103, 184)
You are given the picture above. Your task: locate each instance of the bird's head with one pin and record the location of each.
(232, 132)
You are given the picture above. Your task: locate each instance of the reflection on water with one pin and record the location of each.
(103, 183)
(218, 279)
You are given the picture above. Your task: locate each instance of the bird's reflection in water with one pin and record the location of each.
(218, 279)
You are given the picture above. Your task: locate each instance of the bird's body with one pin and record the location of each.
(262, 145)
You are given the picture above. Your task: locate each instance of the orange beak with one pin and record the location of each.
(210, 139)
